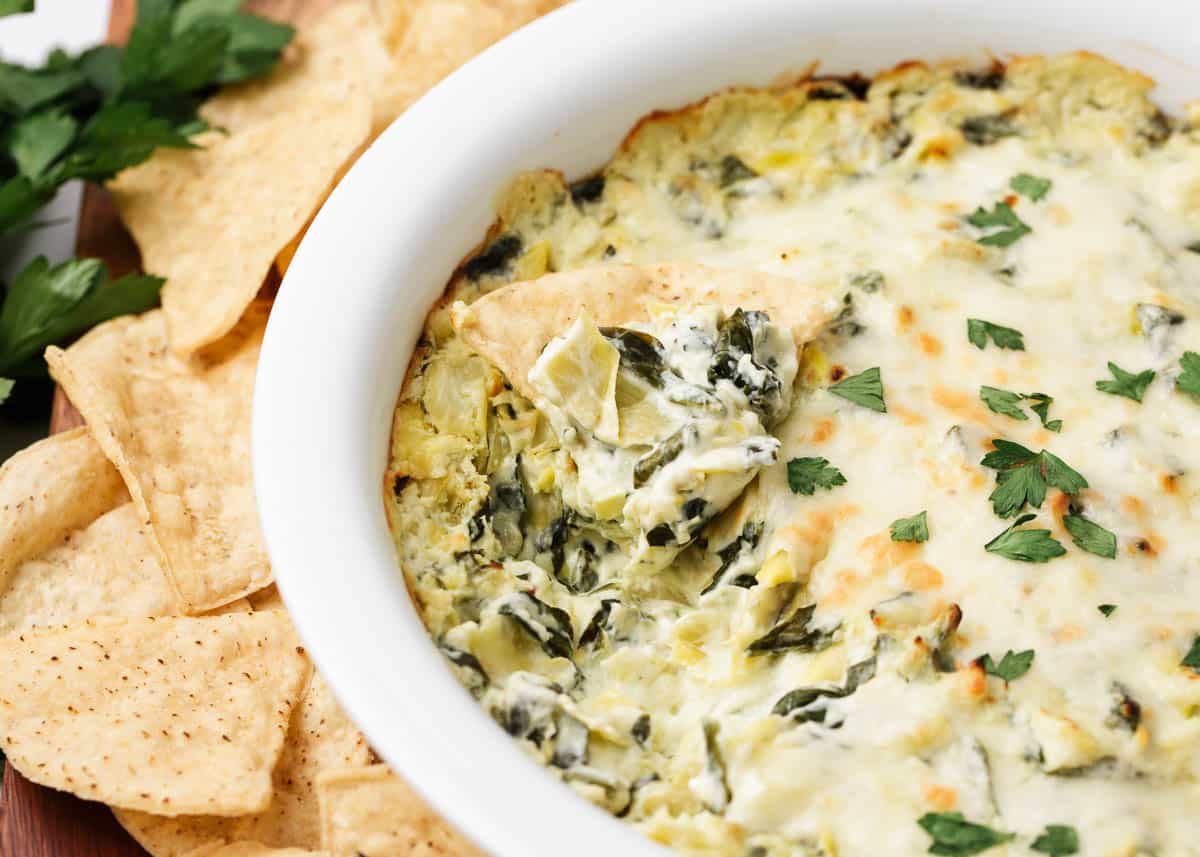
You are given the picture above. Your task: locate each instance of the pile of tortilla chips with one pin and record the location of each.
(146, 660)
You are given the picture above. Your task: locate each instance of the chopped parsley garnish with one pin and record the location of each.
(1192, 659)
(1011, 228)
(1091, 537)
(806, 475)
(864, 389)
(1007, 403)
(1033, 187)
(914, 529)
(1107, 609)
(1058, 840)
(954, 836)
(1189, 380)
(1126, 384)
(1025, 545)
(15, 7)
(1011, 667)
(978, 332)
(1024, 474)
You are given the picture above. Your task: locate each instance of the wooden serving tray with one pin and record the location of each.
(36, 821)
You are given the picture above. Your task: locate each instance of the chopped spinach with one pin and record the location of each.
(869, 281)
(734, 170)
(794, 635)
(845, 322)
(1107, 609)
(570, 741)
(578, 573)
(988, 129)
(549, 626)
(495, 258)
(640, 354)
(505, 508)
(718, 797)
(799, 705)
(992, 78)
(660, 455)
(588, 189)
(954, 836)
(641, 730)
(470, 672)
(1126, 713)
(738, 336)
(747, 540)
(597, 624)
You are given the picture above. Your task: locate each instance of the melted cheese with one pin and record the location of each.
(870, 198)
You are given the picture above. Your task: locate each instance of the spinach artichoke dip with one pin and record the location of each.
(820, 477)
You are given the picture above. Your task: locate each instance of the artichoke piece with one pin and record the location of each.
(578, 372)
(549, 626)
(578, 571)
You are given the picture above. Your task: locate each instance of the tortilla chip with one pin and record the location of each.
(372, 811)
(170, 715)
(319, 738)
(251, 849)
(431, 38)
(342, 49)
(179, 432)
(267, 599)
(107, 568)
(50, 489)
(242, 605)
(212, 220)
(512, 325)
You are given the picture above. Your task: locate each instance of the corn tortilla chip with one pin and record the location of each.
(251, 849)
(372, 811)
(212, 220)
(179, 433)
(107, 568)
(53, 487)
(169, 715)
(512, 325)
(267, 599)
(319, 738)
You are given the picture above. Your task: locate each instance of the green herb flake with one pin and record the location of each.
(1031, 186)
(979, 331)
(1024, 476)
(1057, 840)
(954, 836)
(806, 475)
(1127, 384)
(6, 388)
(1003, 402)
(1194, 247)
(1192, 659)
(1011, 667)
(865, 388)
(1011, 228)
(1025, 545)
(914, 529)
(1189, 380)
(1091, 537)
(1041, 407)
(15, 7)
(1107, 609)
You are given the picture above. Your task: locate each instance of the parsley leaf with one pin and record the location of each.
(37, 140)
(806, 475)
(1012, 228)
(1126, 384)
(1091, 537)
(49, 306)
(1011, 667)
(979, 330)
(954, 836)
(1107, 609)
(1031, 186)
(1024, 475)
(6, 387)
(1002, 402)
(1006, 403)
(864, 389)
(1025, 545)
(1192, 659)
(1189, 380)
(1058, 841)
(15, 7)
(914, 529)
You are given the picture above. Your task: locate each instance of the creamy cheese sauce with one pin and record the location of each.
(795, 681)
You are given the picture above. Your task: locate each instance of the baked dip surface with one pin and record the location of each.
(923, 575)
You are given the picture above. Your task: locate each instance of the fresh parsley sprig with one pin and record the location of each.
(806, 475)
(1192, 659)
(1189, 380)
(1033, 187)
(1023, 476)
(865, 388)
(954, 836)
(914, 529)
(1058, 840)
(1007, 403)
(1004, 225)
(1025, 545)
(1011, 667)
(1127, 384)
(979, 331)
(1091, 537)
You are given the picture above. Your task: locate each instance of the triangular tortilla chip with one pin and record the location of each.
(179, 432)
(372, 811)
(250, 849)
(107, 568)
(171, 715)
(212, 220)
(512, 325)
(55, 486)
(319, 738)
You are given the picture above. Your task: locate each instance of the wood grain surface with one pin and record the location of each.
(36, 821)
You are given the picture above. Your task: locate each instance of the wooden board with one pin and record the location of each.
(35, 821)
